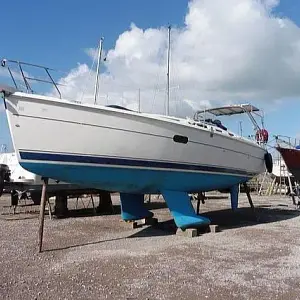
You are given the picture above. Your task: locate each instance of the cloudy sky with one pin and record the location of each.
(222, 52)
(225, 52)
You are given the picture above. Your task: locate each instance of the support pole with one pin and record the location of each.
(200, 197)
(249, 196)
(198, 206)
(42, 213)
(93, 203)
(291, 188)
(234, 196)
(49, 208)
(105, 205)
(61, 205)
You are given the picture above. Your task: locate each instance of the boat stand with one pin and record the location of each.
(200, 198)
(193, 232)
(247, 190)
(42, 213)
(234, 194)
(294, 192)
(143, 222)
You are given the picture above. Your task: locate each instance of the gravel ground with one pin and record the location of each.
(101, 257)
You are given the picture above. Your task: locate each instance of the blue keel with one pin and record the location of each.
(182, 210)
(234, 195)
(132, 207)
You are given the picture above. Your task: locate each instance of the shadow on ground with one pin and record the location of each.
(227, 219)
(89, 212)
(245, 216)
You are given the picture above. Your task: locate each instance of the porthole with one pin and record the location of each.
(180, 139)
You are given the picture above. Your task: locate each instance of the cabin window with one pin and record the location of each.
(180, 139)
(201, 125)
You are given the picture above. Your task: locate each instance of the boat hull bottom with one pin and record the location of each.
(135, 181)
(292, 160)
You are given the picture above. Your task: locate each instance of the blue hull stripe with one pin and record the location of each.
(109, 161)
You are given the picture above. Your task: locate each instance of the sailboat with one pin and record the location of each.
(133, 153)
(291, 157)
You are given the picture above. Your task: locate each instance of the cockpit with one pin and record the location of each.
(215, 122)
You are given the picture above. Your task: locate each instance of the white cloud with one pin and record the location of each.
(270, 3)
(227, 51)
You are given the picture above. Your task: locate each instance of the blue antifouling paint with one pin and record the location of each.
(133, 208)
(182, 210)
(132, 180)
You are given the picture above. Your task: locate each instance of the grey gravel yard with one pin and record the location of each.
(101, 257)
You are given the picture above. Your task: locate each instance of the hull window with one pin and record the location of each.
(180, 139)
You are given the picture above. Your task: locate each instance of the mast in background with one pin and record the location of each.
(97, 71)
(139, 104)
(168, 71)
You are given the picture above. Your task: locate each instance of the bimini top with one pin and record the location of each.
(230, 110)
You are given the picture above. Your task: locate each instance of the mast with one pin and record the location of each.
(97, 71)
(139, 106)
(168, 71)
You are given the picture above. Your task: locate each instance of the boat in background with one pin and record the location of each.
(17, 173)
(280, 169)
(17, 179)
(120, 150)
(289, 149)
(281, 173)
(291, 158)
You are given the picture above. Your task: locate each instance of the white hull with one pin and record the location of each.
(280, 169)
(103, 137)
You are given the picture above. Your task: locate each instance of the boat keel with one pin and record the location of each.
(234, 196)
(182, 210)
(132, 207)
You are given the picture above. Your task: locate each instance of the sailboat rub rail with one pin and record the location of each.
(27, 78)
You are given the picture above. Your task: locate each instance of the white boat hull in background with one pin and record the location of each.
(280, 169)
(19, 174)
(24, 181)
